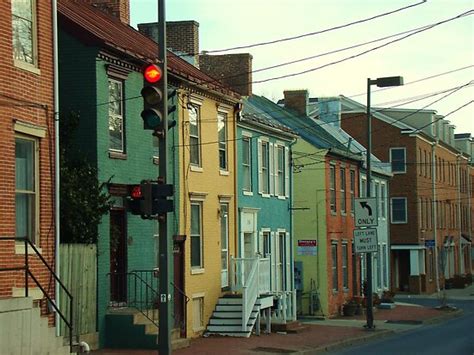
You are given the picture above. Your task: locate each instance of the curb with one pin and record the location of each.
(454, 314)
(379, 334)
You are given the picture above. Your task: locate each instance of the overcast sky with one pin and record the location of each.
(444, 48)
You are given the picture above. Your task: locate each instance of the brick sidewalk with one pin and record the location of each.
(316, 336)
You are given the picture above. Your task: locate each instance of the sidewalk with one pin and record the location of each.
(319, 336)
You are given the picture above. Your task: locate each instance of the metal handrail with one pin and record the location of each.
(186, 300)
(28, 272)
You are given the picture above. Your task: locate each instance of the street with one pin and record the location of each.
(454, 336)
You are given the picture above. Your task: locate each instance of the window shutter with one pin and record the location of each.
(259, 146)
(260, 244)
(287, 172)
(271, 168)
(273, 254)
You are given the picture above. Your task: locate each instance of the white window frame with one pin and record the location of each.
(195, 165)
(264, 171)
(404, 160)
(342, 189)
(391, 210)
(352, 182)
(280, 171)
(332, 189)
(114, 116)
(19, 62)
(33, 224)
(198, 311)
(383, 202)
(247, 190)
(197, 268)
(222, 144)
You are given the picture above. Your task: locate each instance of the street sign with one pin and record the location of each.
(430, 243)
(365, 212)
(365, 240)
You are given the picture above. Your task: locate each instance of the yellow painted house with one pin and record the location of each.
(205, 157)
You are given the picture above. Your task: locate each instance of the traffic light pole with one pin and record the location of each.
(164, 246)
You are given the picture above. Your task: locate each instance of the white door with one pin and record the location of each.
(280, 260)
(224, 208)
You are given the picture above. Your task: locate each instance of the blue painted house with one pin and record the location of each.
(264, 191)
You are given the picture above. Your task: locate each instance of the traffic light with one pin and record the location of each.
(152, 94)
(150, 199)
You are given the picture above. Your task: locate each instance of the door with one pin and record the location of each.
(118, 256)
(178, 289)
(224, 216)
(280, 260)
(249, 245)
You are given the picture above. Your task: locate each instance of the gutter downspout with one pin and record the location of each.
(434, 217)
(292, 237)
(458, 198)
(56, 155)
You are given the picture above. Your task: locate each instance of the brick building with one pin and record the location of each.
(429, 195)
(27, 171)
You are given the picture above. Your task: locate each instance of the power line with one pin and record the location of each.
(286, 39)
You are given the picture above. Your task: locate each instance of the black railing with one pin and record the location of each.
(136, 289)
(28, 273)
(180, 306)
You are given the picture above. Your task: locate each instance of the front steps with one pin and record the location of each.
(226, 319)
(128, 328)
(24, 331)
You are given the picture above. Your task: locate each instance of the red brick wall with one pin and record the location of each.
(340, 229)
(26, 96)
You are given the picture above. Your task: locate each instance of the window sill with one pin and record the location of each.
(247, 193)
(223, 172)
(399, 172)
(266, 195)
(25, 66)
(156, 161)
(399, 222)
(117, 155)
(197, 271)
(281, 197)
(196, 168)
(20, 249)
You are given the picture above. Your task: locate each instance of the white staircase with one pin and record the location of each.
(24, 331)
(227, 318)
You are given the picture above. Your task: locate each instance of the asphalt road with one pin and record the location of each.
(452, 337)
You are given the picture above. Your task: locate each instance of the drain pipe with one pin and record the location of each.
(434, 217)
(459, 210)
(54, 8)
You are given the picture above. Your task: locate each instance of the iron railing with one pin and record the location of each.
(181, 322)
(29, 273)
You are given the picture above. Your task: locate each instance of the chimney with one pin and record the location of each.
(297, 100)
(234, 70)
(182, 37)
(117, 8)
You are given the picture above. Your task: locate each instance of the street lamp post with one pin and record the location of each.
(380, 82)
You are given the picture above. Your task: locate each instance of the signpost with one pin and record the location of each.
(365, 240)
(365, 212)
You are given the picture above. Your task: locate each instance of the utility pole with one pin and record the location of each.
(164, 245)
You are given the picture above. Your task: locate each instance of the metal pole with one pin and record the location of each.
(370, 315)
(164, 247)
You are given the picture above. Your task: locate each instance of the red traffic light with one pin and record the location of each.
(152, 73)
(136, 192)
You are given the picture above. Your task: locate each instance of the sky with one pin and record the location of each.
(447, 47)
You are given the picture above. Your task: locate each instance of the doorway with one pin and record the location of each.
(178, 289)
(118, 256)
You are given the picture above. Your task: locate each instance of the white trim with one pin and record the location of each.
(29, 129)
(195, 100)
(197, 270)
(271, 168)
(223, 108)
(287, 172)
(223, 172)
(407, 247)
(197, 196)
(196, 168)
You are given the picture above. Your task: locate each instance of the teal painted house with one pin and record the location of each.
(264, 191)
(100, 79)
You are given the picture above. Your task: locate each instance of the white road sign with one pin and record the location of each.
(365, 240)
(365, 212)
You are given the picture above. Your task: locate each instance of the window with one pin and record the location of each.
(264, 168)
(332, 188)
(26, 187)
(116, 134)
(222, 136)
(280, 171)
(334, 267)
(383, 197)
(343, 190)
(196, 235)
(24, 31)
(363, 192)
(352, 190)
(377, 195)
(198, 313)
(266, 244)
(194, 135)
(246, 164)
(385, 265)
(398, 160)
(345, 270)
(399, 209)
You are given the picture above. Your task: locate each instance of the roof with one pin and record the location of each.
(260, 110)
(95, 27)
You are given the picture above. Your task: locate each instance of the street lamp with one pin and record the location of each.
(380, 82)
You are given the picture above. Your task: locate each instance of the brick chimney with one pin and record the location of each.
(117, 8)
(234, 70)
(297, 100)
(182, 37)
